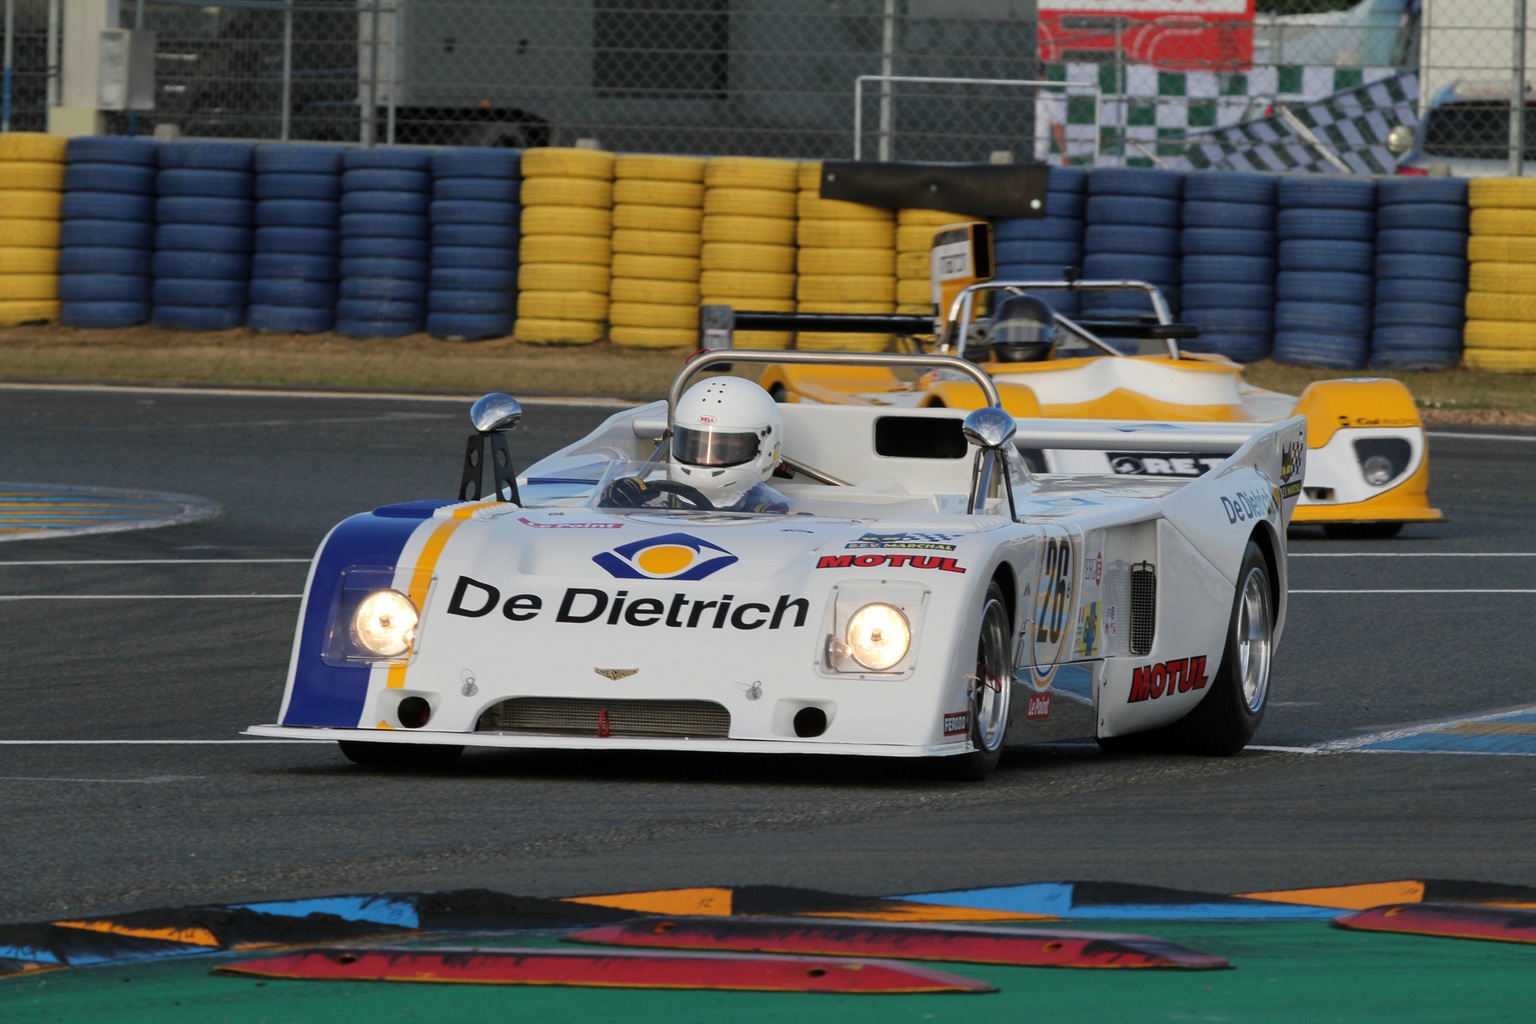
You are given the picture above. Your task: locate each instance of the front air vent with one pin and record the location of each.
(1143, 607)
(577, 716)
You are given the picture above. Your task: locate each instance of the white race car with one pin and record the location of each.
(914, 592)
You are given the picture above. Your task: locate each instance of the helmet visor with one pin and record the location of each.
(713, 447)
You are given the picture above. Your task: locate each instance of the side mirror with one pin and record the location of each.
(989, 427)
(990, 431)
(492, 416)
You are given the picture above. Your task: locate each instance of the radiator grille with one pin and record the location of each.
(580, 716)
(1143, 607)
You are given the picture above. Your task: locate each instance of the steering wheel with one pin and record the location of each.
(632, 492)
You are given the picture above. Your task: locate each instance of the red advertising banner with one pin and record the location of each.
(1182, 35)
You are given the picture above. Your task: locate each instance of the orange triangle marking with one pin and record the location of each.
(666, 901)
(934, 914)
(192, 936)
(1346, 897)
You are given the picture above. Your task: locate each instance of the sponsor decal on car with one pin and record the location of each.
(1292, 458)
(919, 541)
(957, 722)
(569, 526)
(1038, 706)
(474, 599)
(1255, 503)
(1054, 596)
(615, 673)
(1088, 644)
(1162, 463)
(672, 556)
(1177, 676)
(941, 563)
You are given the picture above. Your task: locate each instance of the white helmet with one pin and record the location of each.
(725, 438)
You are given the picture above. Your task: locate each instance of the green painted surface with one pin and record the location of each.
(1286, 972)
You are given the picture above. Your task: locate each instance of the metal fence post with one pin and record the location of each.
(285, 125)
(10, 50)
(1517, 97)
(887, 69)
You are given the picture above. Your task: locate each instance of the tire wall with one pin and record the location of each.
(570, 246)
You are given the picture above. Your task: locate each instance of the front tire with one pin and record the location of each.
(990, 693)
(417, 756)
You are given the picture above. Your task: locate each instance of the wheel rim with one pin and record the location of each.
(1255, 639)
(989, 693)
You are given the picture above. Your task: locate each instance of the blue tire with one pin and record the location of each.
(1067, 179)
(489, 236)
(283, 159)
(377, 328)
(1115, 266)
(1414, 359)
(1202, 295)
(1331, 193)
(1228, 320)
(104, 259)
(177, 181)
(1116, 209)
(468, 326)
(203, 237)
(387, 158)
(1240, 348)
(477, 162)
(121, 234)
(323, 187)
(1234, 269)
(1227, 242)
(294, 266)
(379, 201)
(103, 288)
(1343, 225)
(93, 177)
(476, 190)
(1411, 289)
(1135, 181)
(297, 213)
(479, 257)
(383, 289)
(1059, 253)
(290, 319)
(1066, 205)
(463, 211)
(1421, 191)
(1322, 318)
(111, 149)
(204, 266)
(1419, 314)
(1334, 351)
(1232, 216)
(456, 279)
(212, 156)
(107, 206)
(1020, 229)
(471, 302)
(1319, 255)
(1414, 240)
(199, 291)
(1412, 338)
(383, 225)
(197, 210)
(292, 292)
(1064, 302)
(305, 241)
(385, 248)
(1321, 286)
(199, 318)
(414, 271)
(104, 314)
(385, 179)
(1428, 217)
(1126, 238)
(1230, 187)
(1420, 267)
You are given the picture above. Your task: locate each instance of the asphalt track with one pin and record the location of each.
(129, 662)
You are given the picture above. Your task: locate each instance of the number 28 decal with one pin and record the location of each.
(1053, 600)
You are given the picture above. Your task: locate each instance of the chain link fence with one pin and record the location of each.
(1281, 85)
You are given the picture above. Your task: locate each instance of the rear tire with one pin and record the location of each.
(399, 755)
(990, 693)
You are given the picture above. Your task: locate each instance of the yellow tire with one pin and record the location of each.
(847, 261)
(845, 307)
(37, 233)
(537, 331)
(29, 287)
(1516, 278)
(658, 168)
(27, 311)
(40, 175)
(29, 204)
(915, 308)
(627, 336)
(563, 277)
(751, 172)
(1500, 360)
(757, 304)
(930, 218)
(567, 220)
(659, 268)
(32, 146)
(653, 314)
(1504, 334)
(28, 260)
(567, 192)
(749, 202)
(846, 234)
(747, 283)
(810, 206)
(846, 288)
(1499, 306)
(1510, 193)
(565, 249)
(912, 292)
(819, 341)
(639, 289)
(809, 177)
(749, 230)
(914, 265)
(560, 162)
(767, 259)
(656, 218)
(915, 238)
(562, 305)
(644, 192)
(1503, 222)
(657, 243)
(1502, 249)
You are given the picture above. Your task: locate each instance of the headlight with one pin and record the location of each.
(878, 636)
(1378, 469)
(384, 624)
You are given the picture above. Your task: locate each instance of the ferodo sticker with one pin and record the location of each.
(1054, 595)
(957, 722)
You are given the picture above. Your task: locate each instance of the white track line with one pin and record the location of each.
(1414, 591)
(1483, 437)
(152, 743)
(149, 597)
(1411, 554)
(158, 561)
(150, 780)
(1419, 730)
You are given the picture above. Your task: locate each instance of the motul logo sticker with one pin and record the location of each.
(894, 561)
(1180, 675)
